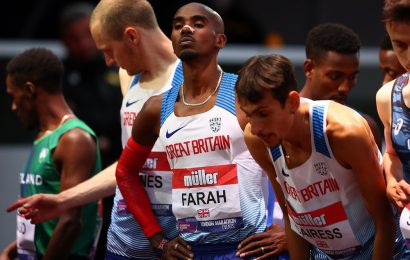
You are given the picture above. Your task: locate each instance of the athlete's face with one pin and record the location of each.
(116, 52)
(196, 32)
(400, 39)
(268, 119)
(22, 102)
(333, 77)
(390, 65)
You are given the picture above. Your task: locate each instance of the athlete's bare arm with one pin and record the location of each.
(398, 190)
(354, 148)
(74, 157)
(42, 207)
(296, 245)
(10, 251)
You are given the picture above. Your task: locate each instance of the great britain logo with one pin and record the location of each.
(321, 168)
(215, 124)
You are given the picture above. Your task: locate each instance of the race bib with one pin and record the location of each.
(206, 199)
(326, 228)
(26, 248)
(156, 177)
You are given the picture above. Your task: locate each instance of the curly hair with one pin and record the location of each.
(39, 66)
(331, 37)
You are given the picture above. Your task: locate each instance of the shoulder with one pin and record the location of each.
(76, 136)
(349, 135)
(345, 123)
(383, 95)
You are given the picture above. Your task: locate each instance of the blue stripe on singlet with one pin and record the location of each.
(318, 133)
(135, 80)
(169, 98)
(227, 93)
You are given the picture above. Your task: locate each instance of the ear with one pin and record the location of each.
(29, 88)
(220, 40)
(293, 101)
(308, 67)
(132, 35)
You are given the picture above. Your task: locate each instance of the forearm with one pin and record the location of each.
(131, 161)
(64, 236)
(298, 247)
(392, 168)
(384, 240)
(10, 251)
(99, 186)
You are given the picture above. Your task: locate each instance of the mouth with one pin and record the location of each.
(186, 41)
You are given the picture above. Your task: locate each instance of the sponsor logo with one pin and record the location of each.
(397, 126)
(43, 154)
(130, 103)
(215, 124)
(200, 177)
(284, 173)
(169, 134)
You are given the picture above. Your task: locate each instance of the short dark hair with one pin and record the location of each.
(72, 13)
(274, 72)
(331, 37)
(39, 66)
(396, 10)
(386, 45)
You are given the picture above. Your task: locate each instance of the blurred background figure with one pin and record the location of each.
(388, 62)
(92, 91)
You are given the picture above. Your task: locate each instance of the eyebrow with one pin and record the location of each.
(194, 17)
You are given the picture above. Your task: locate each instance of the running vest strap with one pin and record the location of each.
(400, 125)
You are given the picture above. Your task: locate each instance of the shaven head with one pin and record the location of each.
(215, 18)
(115, 15)
(331, 37)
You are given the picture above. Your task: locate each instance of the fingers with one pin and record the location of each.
(263, 251)
(253, 238)
(16, 205)
(178, 248)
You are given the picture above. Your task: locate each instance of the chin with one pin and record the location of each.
(187, 55)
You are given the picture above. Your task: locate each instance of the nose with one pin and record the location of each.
(13, 106)
(187, 28)
(346, 86)
(255, 128)
(109, 61)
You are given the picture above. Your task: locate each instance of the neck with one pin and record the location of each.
(158, 55)
(305, 92)
(298, 135)
(200, 78)
(53, 110)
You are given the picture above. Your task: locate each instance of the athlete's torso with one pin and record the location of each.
(217, 186)
(125, 236)
(324, 203)
(400, 125)
(40, 176)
